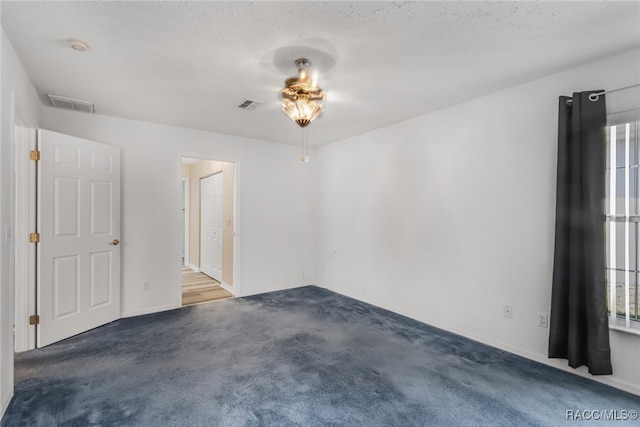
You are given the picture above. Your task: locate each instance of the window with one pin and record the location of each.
(622, 224)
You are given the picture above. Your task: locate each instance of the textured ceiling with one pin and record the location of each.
(191, 63)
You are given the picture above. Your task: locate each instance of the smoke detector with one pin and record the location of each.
(71, 104)
(78, 45)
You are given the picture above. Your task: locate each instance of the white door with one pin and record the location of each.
(79, 225)
(211, 226)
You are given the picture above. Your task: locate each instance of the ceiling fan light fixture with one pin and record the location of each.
(301, 96)
(302, 100)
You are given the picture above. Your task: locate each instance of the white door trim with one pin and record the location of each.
(18, 113)
(237, 227)
(186, 227)
(25, 252)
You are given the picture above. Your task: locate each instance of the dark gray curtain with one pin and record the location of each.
(578, 330)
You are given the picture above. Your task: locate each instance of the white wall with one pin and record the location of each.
(447, 217)
(276, 207)
(18, 97)
(443, 218)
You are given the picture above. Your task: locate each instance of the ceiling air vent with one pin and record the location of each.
(71, 104)
(250, 104)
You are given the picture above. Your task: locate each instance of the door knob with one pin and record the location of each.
(115, 242)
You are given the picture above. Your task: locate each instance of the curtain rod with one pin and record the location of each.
(595, 96)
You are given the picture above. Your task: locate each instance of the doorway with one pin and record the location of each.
(207, 224)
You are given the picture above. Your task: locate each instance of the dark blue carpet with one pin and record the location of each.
(306, 357)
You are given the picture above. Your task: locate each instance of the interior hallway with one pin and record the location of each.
(198, 288)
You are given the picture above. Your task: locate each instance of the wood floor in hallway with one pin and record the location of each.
(198, 287)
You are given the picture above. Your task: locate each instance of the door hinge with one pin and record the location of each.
(34, 319)
(34, 238)
(34, 155)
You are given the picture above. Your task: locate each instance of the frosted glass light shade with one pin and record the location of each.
(301, 111)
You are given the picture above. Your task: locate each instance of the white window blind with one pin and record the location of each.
(623, 218)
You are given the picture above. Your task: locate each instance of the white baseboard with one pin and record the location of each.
(228, 288)
(194, 268)
(149, 310)
(554, 363)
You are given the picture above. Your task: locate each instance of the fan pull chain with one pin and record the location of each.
(305, 146)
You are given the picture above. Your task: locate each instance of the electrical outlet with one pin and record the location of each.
(507, 311)
(543, 320)
(147, 286)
